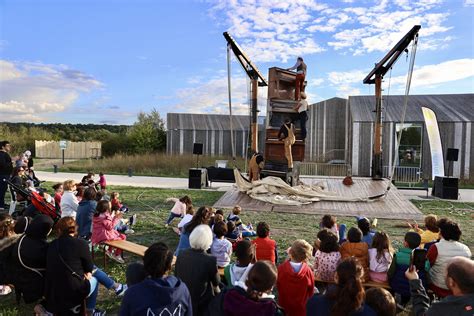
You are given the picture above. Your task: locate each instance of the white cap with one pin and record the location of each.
(28, 153)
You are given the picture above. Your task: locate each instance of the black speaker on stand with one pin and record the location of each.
(197, 150)
(451, 155)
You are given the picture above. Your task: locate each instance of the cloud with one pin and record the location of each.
(469, 3)
(33, 90)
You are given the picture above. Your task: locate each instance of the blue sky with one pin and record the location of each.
(104, 61)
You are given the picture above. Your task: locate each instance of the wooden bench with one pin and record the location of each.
(365, 284)
(124, 245)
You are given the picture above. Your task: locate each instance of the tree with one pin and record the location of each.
(148, 133)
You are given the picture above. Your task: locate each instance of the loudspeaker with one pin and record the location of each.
(197, 178)
(452, 154)
(197, 149)
(446, 188)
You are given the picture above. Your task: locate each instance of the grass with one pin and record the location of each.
(152, 212)
(157, 164)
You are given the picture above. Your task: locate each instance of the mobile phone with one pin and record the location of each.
(418, 259)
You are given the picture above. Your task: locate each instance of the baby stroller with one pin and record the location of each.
(38, 202)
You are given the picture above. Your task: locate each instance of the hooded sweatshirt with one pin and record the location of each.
(85, 212)
(360, 250)
(294, 288)
(28, 259)
(163, 296)
(222, 250)
(238, 303)
(103, 228)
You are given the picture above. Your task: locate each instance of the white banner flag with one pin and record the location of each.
(437, 162)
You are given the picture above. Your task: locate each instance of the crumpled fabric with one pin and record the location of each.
(276, 191)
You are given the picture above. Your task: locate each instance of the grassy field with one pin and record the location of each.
(152, 212)
(158, 164)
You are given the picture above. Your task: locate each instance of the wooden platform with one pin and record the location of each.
(393, 206)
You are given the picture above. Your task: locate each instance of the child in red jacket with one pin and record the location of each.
(295, 281)
(266, 248)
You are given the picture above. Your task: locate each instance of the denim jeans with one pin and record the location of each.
(171, 217)
(98, 277)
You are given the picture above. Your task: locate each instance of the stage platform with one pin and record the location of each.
(393, 206)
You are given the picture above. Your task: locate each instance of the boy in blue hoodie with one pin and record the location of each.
(159, 292)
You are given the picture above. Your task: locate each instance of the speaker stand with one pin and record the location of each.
(197, 161)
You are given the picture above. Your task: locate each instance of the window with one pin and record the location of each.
(410, 149)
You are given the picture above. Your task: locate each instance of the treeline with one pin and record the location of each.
(146, 135)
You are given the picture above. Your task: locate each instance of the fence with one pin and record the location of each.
(323, 169)
(410, 175)
(74, 150)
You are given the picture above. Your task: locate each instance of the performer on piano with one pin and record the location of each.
(300, 67)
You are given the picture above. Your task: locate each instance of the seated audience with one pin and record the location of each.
(245, 230)
(347, 297)
(295, 281)
(330, 222)
(236, 274)
(187, 218)
(232, 232)
(202, 279)
(381, 301)
(380, 257)
(116, 203)
(401, 262)
(69, 201)
(135, 273)
(266, 248)
(440, 253)
(71, 276)
(8, 238)
(58, 193)
(327, 257)
(103, 229)
(221, 248)
(431, 234)
(85, 213)
(28, 260)
(460, 281)
(161, 293)
(202, 216)
(367, 234)
(355, 247)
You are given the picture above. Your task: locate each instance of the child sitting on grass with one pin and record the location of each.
(266, 248)
(380, 257)
(355, 247)
(236, 273)
(295, 281)
(431, 234)
(247, 231)
(330, 222)
(367, 234)
(179, 208)
(221, 248)
(327, 257)
(103, 229)
(116, 203)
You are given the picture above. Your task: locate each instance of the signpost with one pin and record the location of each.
(63, 146)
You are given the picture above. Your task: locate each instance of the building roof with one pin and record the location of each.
(448, 107)
(190, 121)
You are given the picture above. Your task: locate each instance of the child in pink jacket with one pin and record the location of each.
(103, 228)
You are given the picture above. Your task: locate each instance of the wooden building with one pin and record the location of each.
(212, 130)
(455, 114)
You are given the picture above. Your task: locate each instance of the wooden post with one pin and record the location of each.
(254, 118)
(377, 150)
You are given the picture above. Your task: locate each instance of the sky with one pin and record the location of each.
(104, 61)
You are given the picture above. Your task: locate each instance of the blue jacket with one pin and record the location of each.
(320, 305)
(183, 243)
(164, 296)
(84, 214)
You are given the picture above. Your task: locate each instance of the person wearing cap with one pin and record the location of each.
(300, 67)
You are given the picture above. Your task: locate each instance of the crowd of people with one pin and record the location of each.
(223, 267)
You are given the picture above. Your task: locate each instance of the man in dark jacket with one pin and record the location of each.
(460, 280)
(28, 260)
(161, 294)
(6, 169)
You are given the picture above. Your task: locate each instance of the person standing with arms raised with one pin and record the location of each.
(6, 168)
(300, 67)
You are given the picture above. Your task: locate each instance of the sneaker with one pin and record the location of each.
(132, 220)
(98, 312)
(120, 291)
(166, 225)
(129, 231)
(118, 259)
(5, 290)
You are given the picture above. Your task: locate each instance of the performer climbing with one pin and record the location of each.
(287, 135)
(256, 164)
(302, 108)
(300, 67)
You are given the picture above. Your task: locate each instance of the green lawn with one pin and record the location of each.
(152, 212)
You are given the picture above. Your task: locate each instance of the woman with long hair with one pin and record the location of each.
(347, 297)
(202, 216)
